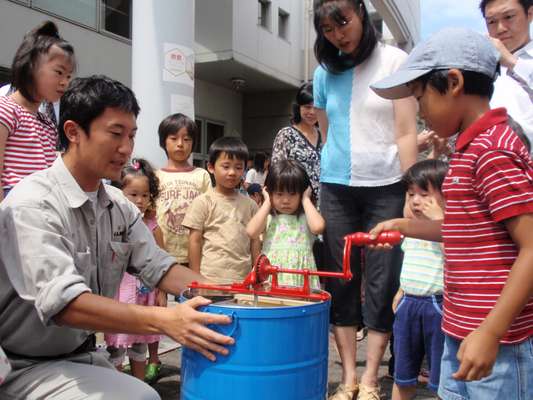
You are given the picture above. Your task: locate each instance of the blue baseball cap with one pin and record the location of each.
(449, 48)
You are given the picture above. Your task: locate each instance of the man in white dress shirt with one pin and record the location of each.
(508, 24)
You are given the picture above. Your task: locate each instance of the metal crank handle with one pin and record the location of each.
(385, 237)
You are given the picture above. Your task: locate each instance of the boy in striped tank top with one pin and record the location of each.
(488, 218)
(418, 303)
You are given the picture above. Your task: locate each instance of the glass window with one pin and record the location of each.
(116, 17)
(213, 132)
(5, 76)
(264, 13)
(81, 11)
(198, 140)
(209, 131)
(283, 24)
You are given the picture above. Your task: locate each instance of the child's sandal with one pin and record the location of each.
(345, 392)
(151, 372)
(368, 393)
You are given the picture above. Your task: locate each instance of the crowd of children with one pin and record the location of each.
(473, 324)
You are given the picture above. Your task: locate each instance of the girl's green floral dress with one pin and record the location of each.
(288, 243)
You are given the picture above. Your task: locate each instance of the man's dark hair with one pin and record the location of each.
(172, 124)
(303, 97)
(35, 44)
(232, 146)
(88, 98)
(475, 83)
(425, 173)
(326, 53)
(524, 3)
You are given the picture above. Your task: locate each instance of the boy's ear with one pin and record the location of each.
(210, 168)
(72, 131)
(456, 82)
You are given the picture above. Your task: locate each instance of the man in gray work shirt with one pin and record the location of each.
(67, 239)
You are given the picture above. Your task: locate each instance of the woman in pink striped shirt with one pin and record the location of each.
(41, 71)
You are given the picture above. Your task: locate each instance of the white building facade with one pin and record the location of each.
(250, 55)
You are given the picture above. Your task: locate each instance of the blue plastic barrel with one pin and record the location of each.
(280, 353)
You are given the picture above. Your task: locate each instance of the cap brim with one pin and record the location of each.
(395, 86)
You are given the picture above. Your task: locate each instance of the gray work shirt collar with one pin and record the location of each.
(74, 194)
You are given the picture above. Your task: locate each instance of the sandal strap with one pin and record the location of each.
(345, 392)
(368, 393)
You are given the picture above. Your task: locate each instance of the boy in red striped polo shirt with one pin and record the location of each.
(488, 220)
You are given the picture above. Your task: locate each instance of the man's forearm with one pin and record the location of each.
(177, 278)
(93, 312)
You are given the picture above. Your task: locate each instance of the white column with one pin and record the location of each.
(162, 68)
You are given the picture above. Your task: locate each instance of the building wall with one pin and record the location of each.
(213, 30)
(224, 29)
(262, 48)
(95, 53)
(403, 20)
(264, 114)
(219, 104)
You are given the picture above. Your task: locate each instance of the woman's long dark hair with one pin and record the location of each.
(303, 97)
(326, 53)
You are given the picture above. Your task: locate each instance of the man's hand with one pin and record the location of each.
(477, 354)
(507, 59)
(187, 326)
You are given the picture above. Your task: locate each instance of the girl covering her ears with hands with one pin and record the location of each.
(290, 221)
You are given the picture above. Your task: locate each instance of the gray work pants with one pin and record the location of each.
(83, 376)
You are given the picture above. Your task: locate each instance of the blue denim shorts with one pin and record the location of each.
(511, 378)
(417, 332)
